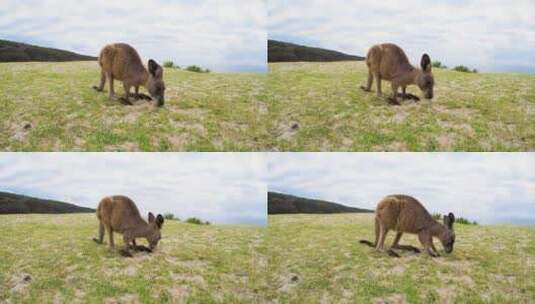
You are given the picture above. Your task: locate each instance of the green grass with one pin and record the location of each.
(297, 259)
(317, 259)
(192, 263)
(203, 112)
(470, 112)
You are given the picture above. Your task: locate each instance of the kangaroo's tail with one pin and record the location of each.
(366, 242)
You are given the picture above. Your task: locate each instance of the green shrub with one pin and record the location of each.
(170, 216)
(438, 64)
(170, 64)
(197, 69)
(464, 221)
(464, 69)
(197, 221)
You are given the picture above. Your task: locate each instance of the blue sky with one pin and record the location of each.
(222, 35)
(490, 35)
(487, 187)
(226, 188)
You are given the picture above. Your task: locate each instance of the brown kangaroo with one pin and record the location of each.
(119, 214)
(404, 213)
(122, 62)
(388, 62)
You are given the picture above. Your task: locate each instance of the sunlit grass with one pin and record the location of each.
(192, 263)
(320, 107)
(52, 107)
(318, 259)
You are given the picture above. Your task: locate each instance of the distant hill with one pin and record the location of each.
(11, 203)
(279, 51)
(279, 203)
(11, 51)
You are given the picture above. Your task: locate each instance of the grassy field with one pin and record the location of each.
(52, 107)
(317, 259)
(320, 107)
(52, 259)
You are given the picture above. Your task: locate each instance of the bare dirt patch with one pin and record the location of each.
(399, 269)
(288, 282)
(462, 127)
(195, 127)
(463, 113)
(192, 113)
(179, 140)
(193, 264)
(394, 146)
(125, 299)
(19, 282)
(392, 299)
(288, 130)
(130, 270)
(445, 140)
(446, 295)
(400, 117)
(179, 292)
(20, 130)
(194, 279)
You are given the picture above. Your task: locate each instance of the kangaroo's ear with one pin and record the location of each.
(448, 220)
(159, 221)
(154, 68)
(425, 63)
(452, 218)
(151, 217)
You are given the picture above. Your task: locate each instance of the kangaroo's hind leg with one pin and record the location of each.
(378, 80)
(100, 88)
(383, 231)
(394, 99)
(110, 232)
(112, 92)
(126, 250)
(125, 100)
(368, 86)
(100, 239)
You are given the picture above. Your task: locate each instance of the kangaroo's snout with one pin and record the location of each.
(160, 101)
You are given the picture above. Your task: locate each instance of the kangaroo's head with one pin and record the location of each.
(447, 237)
(425, 80)
(155, 84)
(154, 235)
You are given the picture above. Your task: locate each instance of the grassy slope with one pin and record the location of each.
(203, 111)
(476, 112)
(317, 258)
(192, 263)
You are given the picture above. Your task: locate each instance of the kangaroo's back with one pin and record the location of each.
(404, 213)
(121, 60)
(119, 212)
(388, 60)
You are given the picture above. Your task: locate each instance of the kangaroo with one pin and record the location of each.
(122, 62)
(404, 213)
(119, 214)
(388, 62)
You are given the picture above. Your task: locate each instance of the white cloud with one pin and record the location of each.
(221, 35)
(478, 186)
(486, 34)
(220, 187)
